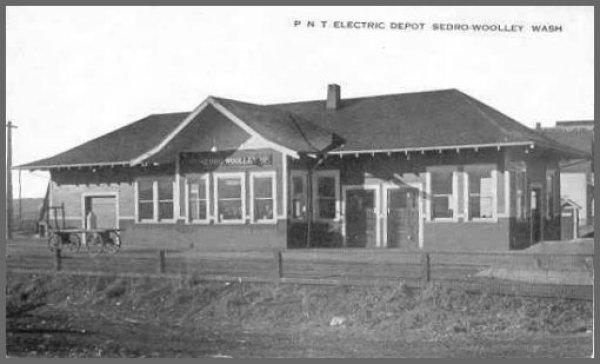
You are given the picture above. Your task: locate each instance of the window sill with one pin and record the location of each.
(157, 221)
(145, 222)
(264, 222)
(230, 222)
(483, 220)
(198, 222)
(443, 219)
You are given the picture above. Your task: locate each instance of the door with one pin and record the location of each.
(361, 218)
(403, 218)
(105, 209)
(536, 214)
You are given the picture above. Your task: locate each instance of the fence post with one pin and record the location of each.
(426, 267)
(57, 259)
(278, 266)
(161, 261)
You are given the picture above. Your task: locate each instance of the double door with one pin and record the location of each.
(396, 225)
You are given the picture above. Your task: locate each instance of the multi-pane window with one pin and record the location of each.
(263, 196)
(442, 196)
(550, 200)
(519, 186)
(165, 199)
(145, 200)
(481, 187)
(230, 197)
(155, 199)
(198, 199)
(327, 194)
(298, 194)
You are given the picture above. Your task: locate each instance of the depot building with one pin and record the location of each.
(435, 170)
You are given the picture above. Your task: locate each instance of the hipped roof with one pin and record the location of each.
(440, 119)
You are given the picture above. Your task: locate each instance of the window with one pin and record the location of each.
(442, 192)
(519, 186)
(326, 194)
(230, 197)
(550, 199)
(262, 187)
(197, 194)
(145, 200)
(155, 200)
(298, 194)
(165, 199)
(481, 182)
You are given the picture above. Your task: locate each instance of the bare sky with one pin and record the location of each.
(74, 73)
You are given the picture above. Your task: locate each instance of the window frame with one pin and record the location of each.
(522, 208)
(452, 204)
(335, 173)
(243, 195)
(138, 219)
(550, 199)
(263, 174)
(189, 179)
(155, 201)
(494, 193)
(304, 177)
(158, 201)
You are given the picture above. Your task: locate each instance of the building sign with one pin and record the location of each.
(215, 160)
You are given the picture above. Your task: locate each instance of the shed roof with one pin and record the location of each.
(580, 138)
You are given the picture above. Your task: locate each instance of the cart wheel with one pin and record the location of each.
(110, 247)
(95, 243)
(54, 242)
(112, 243)
(74, 243)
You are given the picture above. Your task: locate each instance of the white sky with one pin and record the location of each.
(74, 73)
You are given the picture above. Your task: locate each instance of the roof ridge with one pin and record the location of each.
(367, 97)
(292, 115)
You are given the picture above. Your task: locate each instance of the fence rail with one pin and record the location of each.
(345, 266)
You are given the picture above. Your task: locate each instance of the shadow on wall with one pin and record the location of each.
(519, 233)
(323, 235)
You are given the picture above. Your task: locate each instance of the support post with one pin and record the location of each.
(278, 266)
(162, 262)
(426, 267)
(57, 259)
(9, 193)
(62, 211)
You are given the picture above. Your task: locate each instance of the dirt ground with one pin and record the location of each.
(75, 316)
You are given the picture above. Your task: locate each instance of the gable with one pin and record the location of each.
(207, 129)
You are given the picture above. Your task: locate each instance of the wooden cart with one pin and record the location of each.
(95, 240)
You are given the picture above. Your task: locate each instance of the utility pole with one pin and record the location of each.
(20, 204)
(9, 192)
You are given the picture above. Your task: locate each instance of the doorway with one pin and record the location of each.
(361, 216)
(536, 214)
(104, 207)
(403, 217)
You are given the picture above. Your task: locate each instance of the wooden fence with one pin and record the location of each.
(325, 266)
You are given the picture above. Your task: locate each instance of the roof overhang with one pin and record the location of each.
(75, 165)
(440, 148)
